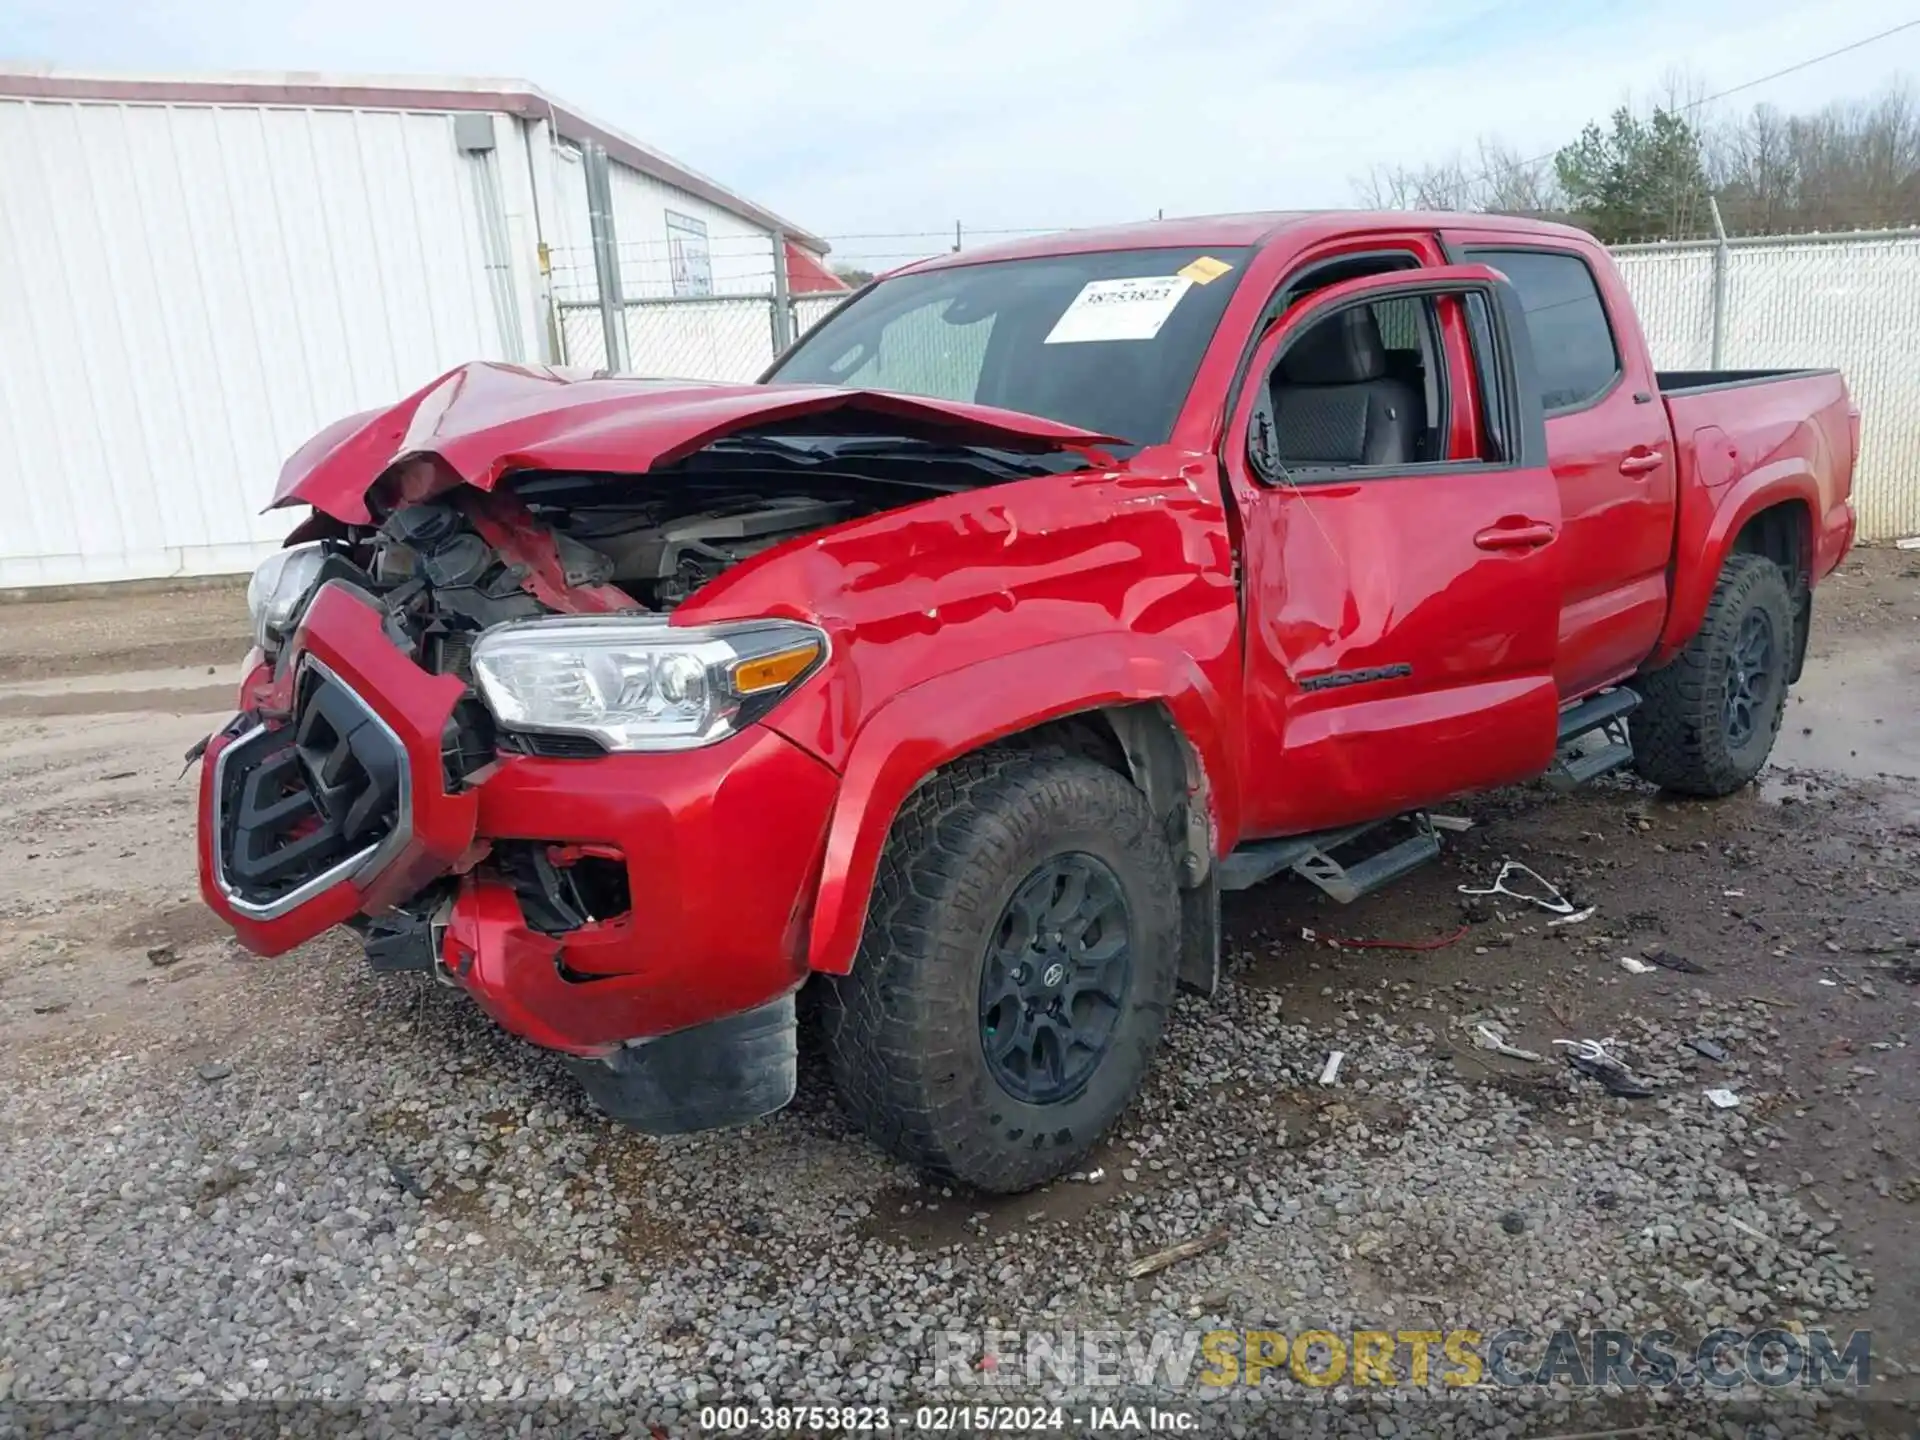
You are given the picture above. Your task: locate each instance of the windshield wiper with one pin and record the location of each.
(772, 445)
(1007, 464)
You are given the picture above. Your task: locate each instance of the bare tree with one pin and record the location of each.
(1495, 178)
(1649, 170)
(1849, 166)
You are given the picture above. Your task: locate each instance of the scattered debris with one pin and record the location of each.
(406, 1180)
(1438, 943)
(1310, 936)
(1711, 1049)
(1734, 894)
(1723, 1099)
(1576, 917)
(1831, 984)
(1174, 1254)
(1911, 542)
(1553, 902)
(1488, 1038)
(161, 956)
(1513, 1222)
(52, 1007)
(1455, 823)
(121, 774)
(1667, 960)
(1592, 1058)
(1094, 1177)
(1635, 967)
(1331, 1071)
(214, 1070)
(1747, 1229)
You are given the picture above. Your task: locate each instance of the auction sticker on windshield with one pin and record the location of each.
(1132, 309)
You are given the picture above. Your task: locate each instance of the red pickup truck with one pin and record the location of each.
(1034, 598)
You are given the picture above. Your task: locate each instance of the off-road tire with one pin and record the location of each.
(903, 1030)
(1680, 731)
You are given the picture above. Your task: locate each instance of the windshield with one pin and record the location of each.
(1108, 341)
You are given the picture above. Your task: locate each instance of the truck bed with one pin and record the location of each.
(1731, 425)
(1676, 382)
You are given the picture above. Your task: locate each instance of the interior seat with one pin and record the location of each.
(1335, 404)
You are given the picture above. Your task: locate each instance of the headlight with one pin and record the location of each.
(637, 683)
(278, 592)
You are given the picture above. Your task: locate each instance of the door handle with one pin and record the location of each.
(1640, 462)
(1528, 536)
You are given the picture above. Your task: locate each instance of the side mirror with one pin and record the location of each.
(1263, 448)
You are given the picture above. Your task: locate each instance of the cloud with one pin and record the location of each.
(861, 117)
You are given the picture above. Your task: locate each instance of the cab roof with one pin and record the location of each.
(1254, 228)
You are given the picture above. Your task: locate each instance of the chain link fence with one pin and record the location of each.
(720, 337)
(1848, 301)
(711, 338)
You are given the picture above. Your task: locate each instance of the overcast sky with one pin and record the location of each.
(861, 116)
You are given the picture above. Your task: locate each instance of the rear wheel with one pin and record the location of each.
(1016, 970)
(1707, 721)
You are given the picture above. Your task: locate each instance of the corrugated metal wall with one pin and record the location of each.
(1847, 302)
(187, 293)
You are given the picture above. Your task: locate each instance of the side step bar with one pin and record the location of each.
(1606, 713)
(1307, 856)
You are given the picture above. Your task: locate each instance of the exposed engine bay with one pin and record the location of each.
(462, 560)
(444, 580)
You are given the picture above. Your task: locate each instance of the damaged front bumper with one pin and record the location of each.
(346, 797)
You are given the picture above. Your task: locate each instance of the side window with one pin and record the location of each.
(1573, 349)
(1364, 386)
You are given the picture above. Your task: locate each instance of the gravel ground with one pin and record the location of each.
(229, 1180)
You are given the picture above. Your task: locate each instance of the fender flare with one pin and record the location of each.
(1702, 552)
(939, 720)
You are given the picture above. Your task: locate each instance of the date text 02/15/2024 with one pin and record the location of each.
(944, 1419)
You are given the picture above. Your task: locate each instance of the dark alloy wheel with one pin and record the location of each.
(1055, 979)
(1016, 971)
(1750, 677)
(1707, 721)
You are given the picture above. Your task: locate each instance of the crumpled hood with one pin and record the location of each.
(486, 420)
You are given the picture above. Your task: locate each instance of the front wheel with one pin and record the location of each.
(1015, 974)
(1707, 721)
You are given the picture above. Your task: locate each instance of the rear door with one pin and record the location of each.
(1402, 591)
(1610, 447)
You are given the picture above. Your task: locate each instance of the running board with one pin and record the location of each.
(1597, 711)
(1607, 714)
(1307, 856)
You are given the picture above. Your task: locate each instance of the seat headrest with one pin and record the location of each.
(1343, 349)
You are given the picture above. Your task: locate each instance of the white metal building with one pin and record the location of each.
(197, 274)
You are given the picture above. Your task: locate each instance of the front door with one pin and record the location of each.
(1402, 580)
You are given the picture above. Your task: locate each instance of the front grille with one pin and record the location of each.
(310, 799)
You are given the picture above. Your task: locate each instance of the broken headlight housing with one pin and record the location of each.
(638, 683)
(277, 594)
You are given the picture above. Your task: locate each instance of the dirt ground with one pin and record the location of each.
(1801, 897)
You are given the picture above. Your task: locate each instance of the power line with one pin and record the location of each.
(1736, 89)
(1802, 65)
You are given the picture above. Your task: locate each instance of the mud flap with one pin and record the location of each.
(1200, 938)
(724, 1073)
